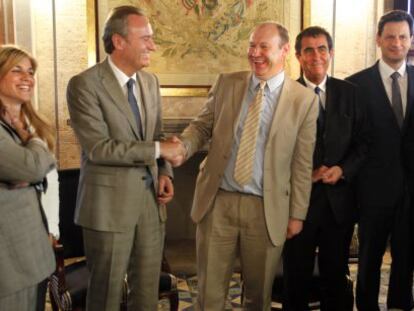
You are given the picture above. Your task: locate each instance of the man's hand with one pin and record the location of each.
(173, 151)
(165, 189)
(294, 227)
(52, 240)
(332, 175)
(318, 173)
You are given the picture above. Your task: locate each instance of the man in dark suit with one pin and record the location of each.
(388, 91)
(341, 147)
(115, 109)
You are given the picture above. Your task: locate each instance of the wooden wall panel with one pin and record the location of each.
(6, 22)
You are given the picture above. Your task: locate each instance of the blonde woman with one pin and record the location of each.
(26, 144)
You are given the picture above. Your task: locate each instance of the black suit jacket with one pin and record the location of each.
(381, 182)
(408, 153)
(345, 143)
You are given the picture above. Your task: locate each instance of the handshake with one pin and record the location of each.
(173, 151)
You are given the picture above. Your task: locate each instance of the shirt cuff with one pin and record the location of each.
(157, 149)
(54, 230)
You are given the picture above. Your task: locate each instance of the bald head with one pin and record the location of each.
(275, 29)
(268, 47)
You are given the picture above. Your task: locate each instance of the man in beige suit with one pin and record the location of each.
(115, 110)
(253, 217)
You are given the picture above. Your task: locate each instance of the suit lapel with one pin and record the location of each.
(377, 81)
(331, 104)
(301, 80)
(11, 132)
(240, 89)
(147, 106)
(410, 94)
(283, 106)
(110, 83)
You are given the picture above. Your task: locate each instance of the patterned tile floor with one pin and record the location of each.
(187, 291)
(187, 287)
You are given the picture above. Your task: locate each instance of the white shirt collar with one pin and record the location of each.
(386, 70)
(321, 85)
(119, 74)
(273, 83)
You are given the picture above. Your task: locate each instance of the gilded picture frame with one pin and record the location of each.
(196, 40)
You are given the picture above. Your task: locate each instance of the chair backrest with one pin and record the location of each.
(70, 233)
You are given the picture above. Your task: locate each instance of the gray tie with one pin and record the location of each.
(134, 105)
(396, 100)
(321, 116)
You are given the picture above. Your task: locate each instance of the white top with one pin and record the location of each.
(50, 203)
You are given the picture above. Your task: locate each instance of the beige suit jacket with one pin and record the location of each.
(26, 256)
(288, 154)
(114, 159)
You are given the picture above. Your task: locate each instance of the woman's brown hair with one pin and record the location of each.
(10, 56)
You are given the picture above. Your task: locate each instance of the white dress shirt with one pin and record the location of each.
(123, 79)
(322, 86)
(386, 71)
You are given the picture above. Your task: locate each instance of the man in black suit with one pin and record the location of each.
(340, 149)
(388, 92)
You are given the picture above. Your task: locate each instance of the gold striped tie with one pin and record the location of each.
(243, 169)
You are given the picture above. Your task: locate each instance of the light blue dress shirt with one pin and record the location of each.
(271, 96)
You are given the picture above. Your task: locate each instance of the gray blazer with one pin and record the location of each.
(114, 159)
(26, 256)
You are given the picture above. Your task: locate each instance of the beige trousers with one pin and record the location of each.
(235, 226)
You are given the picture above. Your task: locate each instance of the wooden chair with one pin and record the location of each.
(68, 284)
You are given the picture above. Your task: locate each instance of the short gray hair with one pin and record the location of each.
(117, 23)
